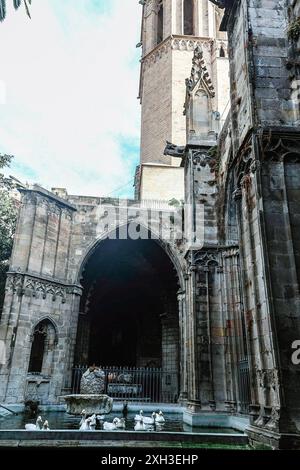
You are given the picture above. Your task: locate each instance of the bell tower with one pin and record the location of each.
(171, 32)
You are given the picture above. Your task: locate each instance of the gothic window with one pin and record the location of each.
(222, 52)
(43, 342)
(188, 17)
(160, 23)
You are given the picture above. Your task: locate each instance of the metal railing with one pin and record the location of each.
(152, 385)
(244, 386)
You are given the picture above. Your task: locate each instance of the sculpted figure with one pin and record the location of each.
(174, 150)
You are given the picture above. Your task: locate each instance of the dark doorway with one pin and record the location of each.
(129, 288)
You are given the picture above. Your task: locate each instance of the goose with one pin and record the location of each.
(34, 427)
(159, 417)
(85, 425)
(139, 417)
(110, 426)
(83, 418)
(149, 420)
(140, 425)
(46, 426)
(120, 423)
(93, 422)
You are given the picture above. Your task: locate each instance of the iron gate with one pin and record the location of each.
(153, 385)
(244, 386)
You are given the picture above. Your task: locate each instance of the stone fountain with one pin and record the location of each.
(91, 397)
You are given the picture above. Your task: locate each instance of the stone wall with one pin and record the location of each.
(259, 171)
(162, 183)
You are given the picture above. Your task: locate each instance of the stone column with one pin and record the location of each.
(183, 396)
(194, 402)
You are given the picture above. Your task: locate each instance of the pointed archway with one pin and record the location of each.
(129, 309)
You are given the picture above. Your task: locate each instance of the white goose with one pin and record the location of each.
(93, 422)
(159, 418)
(34, 427)
(139, 416)
(83, 418)
(85, 425)
(46, 426)
(140, 425)
(110, 426)
(149, 420)
(120, 423)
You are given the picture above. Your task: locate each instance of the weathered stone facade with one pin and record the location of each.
(259, 176)
(225, 297)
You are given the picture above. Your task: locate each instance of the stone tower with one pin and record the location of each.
(171, 31)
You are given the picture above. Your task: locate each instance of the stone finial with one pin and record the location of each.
(199, 72)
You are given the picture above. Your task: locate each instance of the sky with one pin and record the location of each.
(69, 80)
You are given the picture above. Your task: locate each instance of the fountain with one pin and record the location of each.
(91, 397)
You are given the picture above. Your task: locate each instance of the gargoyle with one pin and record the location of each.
(174, 150)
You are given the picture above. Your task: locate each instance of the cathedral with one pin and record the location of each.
(210, 289)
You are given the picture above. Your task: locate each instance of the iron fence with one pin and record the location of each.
(244, 386)
(153, 385)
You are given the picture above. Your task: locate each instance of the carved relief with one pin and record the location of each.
(202, 159)
(14, 282)
(21, 283)
(157, 53)
(179, 44)
(273, 423)
(279, 149)
(246, 166)
(205, 259)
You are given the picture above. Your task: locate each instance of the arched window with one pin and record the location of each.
(160, 23)
(43, 341)
(188, 17)
(222, 52)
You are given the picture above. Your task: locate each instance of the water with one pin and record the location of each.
(63, 421)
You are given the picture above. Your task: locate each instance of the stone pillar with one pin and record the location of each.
(194, 402)
(183, 395)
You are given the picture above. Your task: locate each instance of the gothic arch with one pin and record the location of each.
(168, 249)
(46, 318)
(44, 339)
(129, 287)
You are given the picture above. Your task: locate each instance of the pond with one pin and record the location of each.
(64, 421)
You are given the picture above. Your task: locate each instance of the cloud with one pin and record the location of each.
(71, 117)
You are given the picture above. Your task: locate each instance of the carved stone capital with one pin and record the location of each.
(202, 159)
